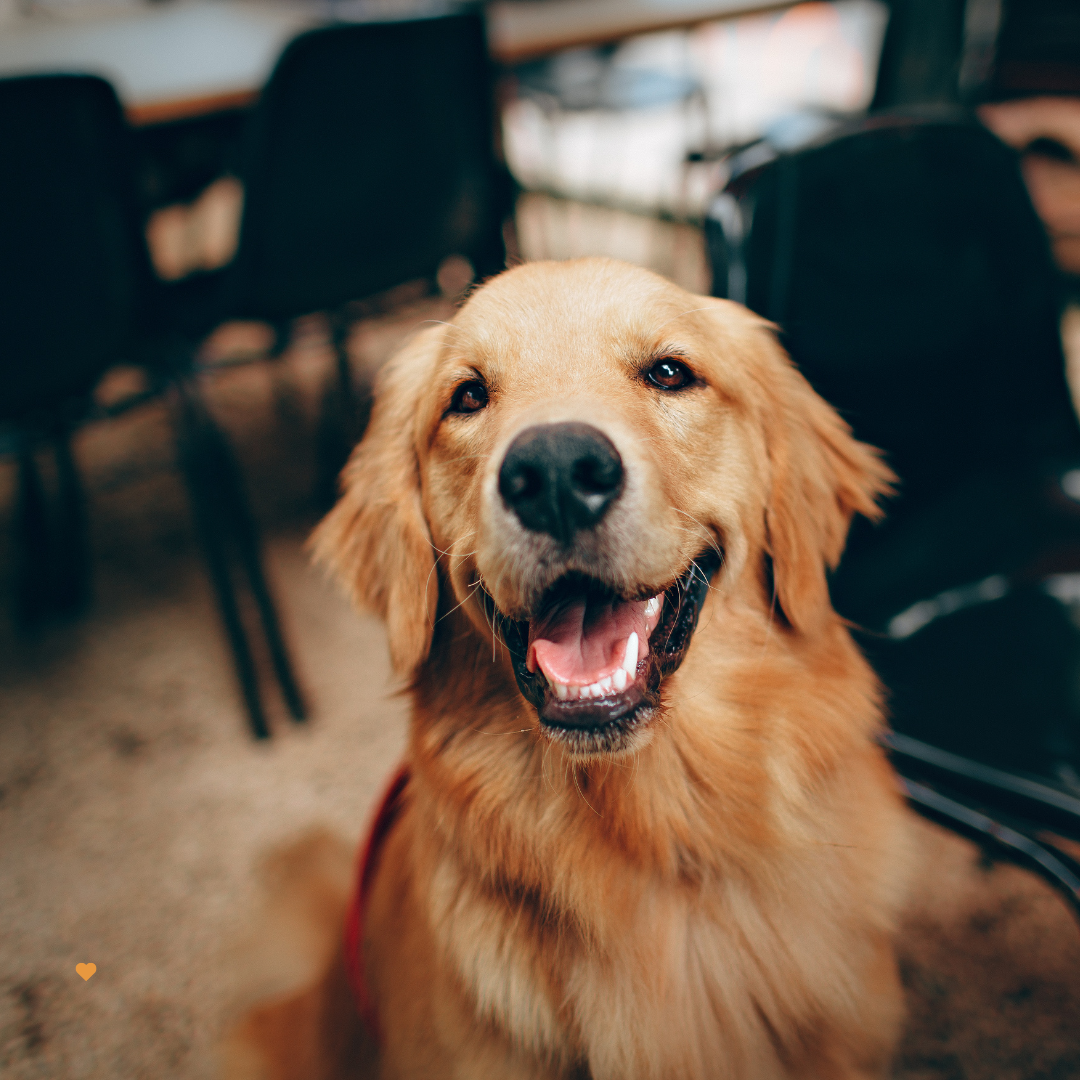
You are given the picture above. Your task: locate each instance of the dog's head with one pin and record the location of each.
(579, 463)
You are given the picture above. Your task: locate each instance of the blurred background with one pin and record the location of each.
(218, 218)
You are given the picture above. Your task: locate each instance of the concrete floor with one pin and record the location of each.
(137, 817)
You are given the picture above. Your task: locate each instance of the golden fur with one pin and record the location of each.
(718, 898)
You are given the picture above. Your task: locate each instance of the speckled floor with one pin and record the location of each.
(136, 814)
(134, 806)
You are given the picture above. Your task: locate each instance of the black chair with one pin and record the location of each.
(914, 287)
(72, 274)
(77, 295)
(368, 160)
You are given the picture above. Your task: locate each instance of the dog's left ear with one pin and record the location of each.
(376, 538)
(820, 478)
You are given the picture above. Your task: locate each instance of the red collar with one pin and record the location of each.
(354, 925)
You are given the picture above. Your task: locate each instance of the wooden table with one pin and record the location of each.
(182, 58)
(170, 60)
(522, 29)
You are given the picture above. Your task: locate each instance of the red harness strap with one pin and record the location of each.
(354, 925)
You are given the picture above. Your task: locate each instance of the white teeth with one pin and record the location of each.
(629, 664)
(616, 681)
(652, 607)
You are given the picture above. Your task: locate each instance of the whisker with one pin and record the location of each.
(708, 584)
(472, 593)
(707, 532)
(427, 580)
(451, 554)
(544, 771)
(496, 638)
(582, 794)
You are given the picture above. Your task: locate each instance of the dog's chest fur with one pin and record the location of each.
(683, 983)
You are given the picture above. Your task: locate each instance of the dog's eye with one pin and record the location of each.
(469, 397)
(669, 374)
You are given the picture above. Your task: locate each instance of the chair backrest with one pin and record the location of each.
(73, 264)
(370, 158)
(914, 287)
(922, 54)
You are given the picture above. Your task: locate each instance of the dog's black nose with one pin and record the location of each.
(561, 478)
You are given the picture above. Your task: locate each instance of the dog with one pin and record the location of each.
(646, 830)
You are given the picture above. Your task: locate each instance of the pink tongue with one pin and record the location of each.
(582, 641)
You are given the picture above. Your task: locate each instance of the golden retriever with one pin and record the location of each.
(648, 831)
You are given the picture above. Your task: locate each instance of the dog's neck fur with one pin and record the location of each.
(688, 833)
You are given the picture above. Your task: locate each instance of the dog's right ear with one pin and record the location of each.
(376, 538)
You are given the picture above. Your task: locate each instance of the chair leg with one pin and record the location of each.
(279, 655)
(197, 460)
(224, 589)
(345, 412)
(246, 535)
(32, 598)
(286, 406)
(219, 490)
(71, 557)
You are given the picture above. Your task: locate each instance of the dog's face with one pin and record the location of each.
(580, 462)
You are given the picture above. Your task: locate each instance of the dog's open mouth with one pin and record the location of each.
(591, 662)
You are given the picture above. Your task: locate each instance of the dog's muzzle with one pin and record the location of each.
(591, 662)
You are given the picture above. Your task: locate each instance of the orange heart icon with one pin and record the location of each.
(86, 970)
